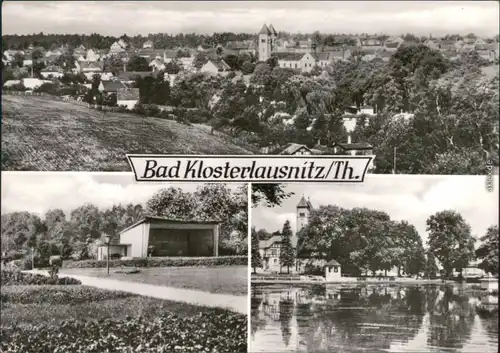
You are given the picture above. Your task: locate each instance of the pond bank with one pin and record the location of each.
(351, 282)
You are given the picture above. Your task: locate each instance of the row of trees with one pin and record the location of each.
(97, 41)
(77, 234)
(364, 240)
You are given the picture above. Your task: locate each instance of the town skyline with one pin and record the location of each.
(419, 18)
(409, 198)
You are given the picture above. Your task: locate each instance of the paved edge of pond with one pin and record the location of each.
(357, 283)
(235, 303)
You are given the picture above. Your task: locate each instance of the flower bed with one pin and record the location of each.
(162, 262)
(204, 332)
(20, 278)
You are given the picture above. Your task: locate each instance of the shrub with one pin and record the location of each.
(207, 332)
(121, 109)
(198, 116)
(152, 110)
(162, 262)
(18, 278)
(57, 294)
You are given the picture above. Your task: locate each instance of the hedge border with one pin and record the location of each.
(161, 262)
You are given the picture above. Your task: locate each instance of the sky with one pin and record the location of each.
(408, 197)
(133, 17)
(40, 192)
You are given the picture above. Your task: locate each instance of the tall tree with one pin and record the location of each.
(287, 252)
(256, 259)
(450, 240)
(488, 251)
(431, 268)
(138, 63)
(269, 194)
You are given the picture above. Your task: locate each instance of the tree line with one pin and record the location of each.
(76, 235)
(98, 41)
(365, 241)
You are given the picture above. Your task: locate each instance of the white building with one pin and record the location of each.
(215, 67)
(303, 62)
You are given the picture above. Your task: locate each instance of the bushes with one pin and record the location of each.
(20, 278)
(57, 294)
(207, 332)
(162, 262)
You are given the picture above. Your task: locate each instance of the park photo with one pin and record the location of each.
(397, 264)
(100, 263)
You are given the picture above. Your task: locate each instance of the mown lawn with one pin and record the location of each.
(83, 319)
(227, 280)
(40, 134)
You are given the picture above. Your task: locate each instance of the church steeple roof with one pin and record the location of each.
(272, 30)
(303, 203)
(265, 30)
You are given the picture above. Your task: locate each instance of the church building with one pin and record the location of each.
(270, 249)
(267, 42)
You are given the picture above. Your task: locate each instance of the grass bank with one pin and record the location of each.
(47, 135)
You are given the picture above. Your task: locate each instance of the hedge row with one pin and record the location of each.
(205, 332)
(20, 278)
(57, 294)
(162, 262)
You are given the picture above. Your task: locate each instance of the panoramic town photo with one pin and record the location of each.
(415, 84)
(121, 266)
(397, 264)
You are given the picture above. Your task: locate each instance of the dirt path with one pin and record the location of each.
(234, 303)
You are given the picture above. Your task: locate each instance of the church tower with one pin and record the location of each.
(303, 210)
(274, 38)
(265, 43)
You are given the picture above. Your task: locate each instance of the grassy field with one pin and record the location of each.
(227, 280)
(40, 134)
(84, 319)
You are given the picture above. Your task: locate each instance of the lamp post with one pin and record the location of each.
(107, 240)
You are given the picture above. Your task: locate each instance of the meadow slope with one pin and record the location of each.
(41, 134)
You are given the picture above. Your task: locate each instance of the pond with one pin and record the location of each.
(378, 318)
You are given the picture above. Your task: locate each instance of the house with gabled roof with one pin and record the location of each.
(295, 149)
(157, 64)
(52, 71)
(111, 87)
(323, 59)
(215, 66)
(304, 62)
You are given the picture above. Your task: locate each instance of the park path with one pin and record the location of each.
(234, 303)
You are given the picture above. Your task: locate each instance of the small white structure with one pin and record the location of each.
(116, 251)
(11, 83)
(332, 271)
(127, 97)
(32, 83)
(489, 283)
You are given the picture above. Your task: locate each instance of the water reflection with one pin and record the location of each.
(333, 318)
